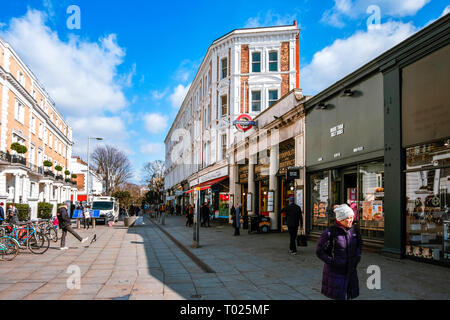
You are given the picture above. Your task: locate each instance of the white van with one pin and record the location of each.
(109, 208)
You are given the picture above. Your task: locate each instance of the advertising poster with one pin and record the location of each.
(270, 201)
(377, 210)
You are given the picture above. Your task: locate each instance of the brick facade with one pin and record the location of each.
(285, 62)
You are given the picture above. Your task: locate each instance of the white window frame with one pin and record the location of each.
(268, 60)
(221, 106)
(268, 95)
(221, 68)
(260, 99)
(260, 61)
(19, 112)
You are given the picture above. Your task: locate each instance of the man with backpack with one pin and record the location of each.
(339, 248)
(294, 220)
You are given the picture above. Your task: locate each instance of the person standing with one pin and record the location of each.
(13, 215)
(189, 215)
(294, 219)
(87, 217)
(203, 212)
(235, 214)
(339, 248)
(65, 226)
(2, 213)
(207, 215)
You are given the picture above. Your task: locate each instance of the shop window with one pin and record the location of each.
(256, 62)
(320, 201)
(428, 202)
(370, 208)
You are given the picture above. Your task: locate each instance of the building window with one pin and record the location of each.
(273, 97)
(256, 101)
(50, 140)
(273, 61)
(224, 68)
(224, 104)
(19, 112)
(224, 146)
(33, 125)
(41, 131)
(256, 62)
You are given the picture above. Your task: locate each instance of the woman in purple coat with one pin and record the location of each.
(340, 248)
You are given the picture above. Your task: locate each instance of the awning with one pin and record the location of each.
(206, 185)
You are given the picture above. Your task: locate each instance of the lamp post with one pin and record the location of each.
(88, 171)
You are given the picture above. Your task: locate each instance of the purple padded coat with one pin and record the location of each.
(339, 273)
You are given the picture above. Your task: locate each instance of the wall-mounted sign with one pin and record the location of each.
(358, 149)
(270, 201)
(293, 173)
(244, 122)
(338, 130)
(249, 202)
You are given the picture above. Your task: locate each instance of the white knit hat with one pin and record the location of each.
(343, 212)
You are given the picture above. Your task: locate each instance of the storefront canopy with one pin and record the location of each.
(206, 185)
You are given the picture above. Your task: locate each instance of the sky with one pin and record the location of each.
(120, 69)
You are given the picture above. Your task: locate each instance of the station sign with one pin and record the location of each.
(244, 122)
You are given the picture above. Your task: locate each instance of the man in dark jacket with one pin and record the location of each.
(2, 214)
(13, 215)
(66, 226)
(204, 214)
(294, 220)
(340, 248)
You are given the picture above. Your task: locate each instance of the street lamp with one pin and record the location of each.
(88, 171)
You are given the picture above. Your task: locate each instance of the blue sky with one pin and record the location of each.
(124, 73)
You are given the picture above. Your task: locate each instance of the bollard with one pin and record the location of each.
(93, 223)
(78, 223)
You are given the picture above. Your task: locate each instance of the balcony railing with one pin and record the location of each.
(49, 174)
(59, 177)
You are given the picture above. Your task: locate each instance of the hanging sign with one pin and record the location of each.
(244, 122)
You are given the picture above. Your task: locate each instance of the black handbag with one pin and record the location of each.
(301, 240)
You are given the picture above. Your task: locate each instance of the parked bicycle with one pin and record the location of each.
(28, 237)
(9, 248)
(48, 228)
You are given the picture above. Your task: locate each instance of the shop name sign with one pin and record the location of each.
(244, 122)
(214, 175)
(336, 131)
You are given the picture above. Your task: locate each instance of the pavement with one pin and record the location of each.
(151, 261)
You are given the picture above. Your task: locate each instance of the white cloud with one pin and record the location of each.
(346, 55)
(446, 11)
(81, 76)
(153, 148)
(155, 122)
(158, 95)
(111, 129)
(354, 9)
(270, 19)
(178, 95)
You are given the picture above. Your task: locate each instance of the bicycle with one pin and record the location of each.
(28, 237)
(9, 248)
(50, 230)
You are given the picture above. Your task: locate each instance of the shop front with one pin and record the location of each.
(344, 159)
(214, 189)
(426, 146)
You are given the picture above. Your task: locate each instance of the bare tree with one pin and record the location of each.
(113, 165)
(154, 172)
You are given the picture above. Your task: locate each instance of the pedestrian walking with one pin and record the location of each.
(339, 248)
(163, 214)
(294, 219)
(178, 210)
(207, 215)
(235, 215)
(13, 215)
(204, 211)
(2, 213)
(189, 215)
(65, 226)
(87, 216)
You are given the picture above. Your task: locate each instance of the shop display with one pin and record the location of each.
(446, 248)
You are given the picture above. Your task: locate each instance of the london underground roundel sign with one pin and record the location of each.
(244, 122)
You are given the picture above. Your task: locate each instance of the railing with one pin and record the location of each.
(12, 158)
(49, 174)
(59, 177)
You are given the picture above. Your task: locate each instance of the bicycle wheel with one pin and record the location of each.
(52, 234)
(8, 249)
(38, 243)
